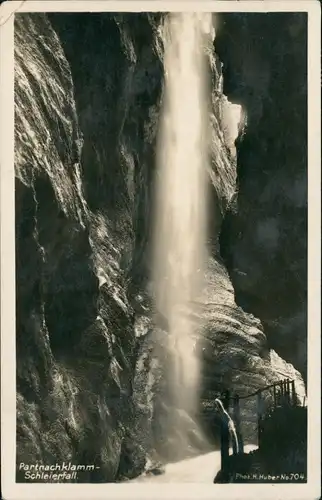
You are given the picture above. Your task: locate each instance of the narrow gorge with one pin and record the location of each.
(92, 333)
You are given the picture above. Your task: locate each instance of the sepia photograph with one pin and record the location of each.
(160, 244)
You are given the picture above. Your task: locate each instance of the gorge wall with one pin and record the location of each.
(88, 91)
(265, 241)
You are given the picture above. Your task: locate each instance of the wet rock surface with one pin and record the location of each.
(90, 389)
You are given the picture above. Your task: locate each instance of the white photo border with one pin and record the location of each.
(12, 490)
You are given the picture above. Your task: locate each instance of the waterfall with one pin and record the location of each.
(181, 196)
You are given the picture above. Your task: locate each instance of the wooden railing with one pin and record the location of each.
(283, 395)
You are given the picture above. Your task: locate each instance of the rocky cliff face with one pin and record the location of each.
(265, 241)
(88, 92)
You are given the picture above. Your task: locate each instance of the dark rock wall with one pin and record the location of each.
(116, 62)
(265, 242)
(88, 91)
(74, 323)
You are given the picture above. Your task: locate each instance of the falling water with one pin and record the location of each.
(181, 192)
